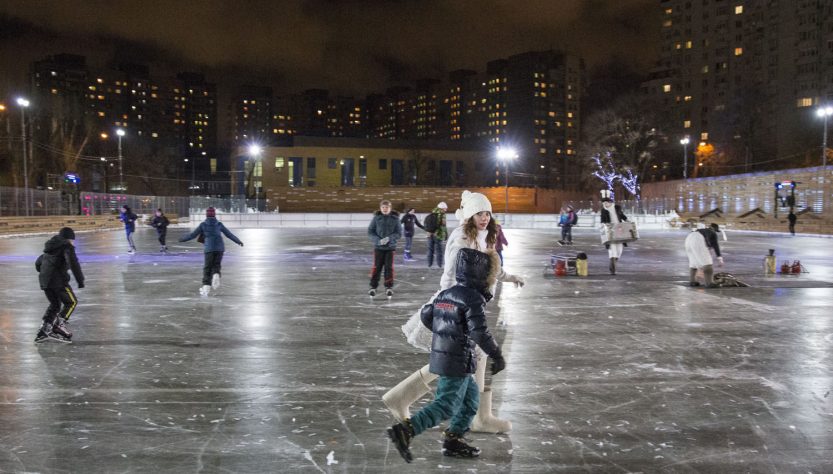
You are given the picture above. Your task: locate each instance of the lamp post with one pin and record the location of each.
(23, 103)
(120, 133)
(684, 142)
(505, 155)
(254, 152)
(824, 112)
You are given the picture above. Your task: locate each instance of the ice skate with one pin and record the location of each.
(400, 434)
(455, 446)
(372, 292)
(560, 243)
(43, 334)
(389, 293)
(60, 330)
(131, 251)
(215, 281)
(205, 290)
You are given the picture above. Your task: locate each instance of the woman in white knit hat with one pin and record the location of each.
(477, 231)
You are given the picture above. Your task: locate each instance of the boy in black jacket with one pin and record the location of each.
(160, 223)
(458, 321)
(53, 267)
(383, 232)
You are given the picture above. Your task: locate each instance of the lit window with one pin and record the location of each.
(805, 102)
(705, 69)
(666, 87)
(688, 44)
(687, 124)
(279, 162)
(704, 136)
(738, 51)
(738, 9)
(687, 98)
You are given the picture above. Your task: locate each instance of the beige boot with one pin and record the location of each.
(484, 421)
(400, 398)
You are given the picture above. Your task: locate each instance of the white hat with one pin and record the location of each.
(472, 203)
(442, 205)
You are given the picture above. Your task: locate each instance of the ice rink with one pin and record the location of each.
(284, 368)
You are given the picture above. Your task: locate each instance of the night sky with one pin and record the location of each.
(351, 47)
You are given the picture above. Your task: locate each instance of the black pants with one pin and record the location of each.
(60, 297)
(792, 228)
(566, 233)
(382, 259)
(162, 233)
(212, 266)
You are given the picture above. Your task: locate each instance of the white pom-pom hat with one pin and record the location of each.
(472, 203)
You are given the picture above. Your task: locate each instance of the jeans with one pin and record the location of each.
(409, 239)
(436, 246)
(457, 398)
(566, 233)
(130, 239)
(211, 266)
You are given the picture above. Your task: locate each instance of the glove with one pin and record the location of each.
(498, 364)
(517, 280)
(719, 261)
(384, 241)
(241, 244)
(81, 285)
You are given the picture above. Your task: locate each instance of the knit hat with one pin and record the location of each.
(210, 212)
(607, 196)
(442, 205)
(472, 203)
(67, 233)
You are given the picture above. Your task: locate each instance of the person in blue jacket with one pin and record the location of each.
(129, 218)
(212, 232)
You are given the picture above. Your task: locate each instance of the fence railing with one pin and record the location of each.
(45, 202)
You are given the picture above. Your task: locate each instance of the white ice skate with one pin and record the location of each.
(205, 290)
(215, 281)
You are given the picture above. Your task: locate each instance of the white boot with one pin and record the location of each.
(215, 281)
(400, 398)
(205, 289)
(484, 421)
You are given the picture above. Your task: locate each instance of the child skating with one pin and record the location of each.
(383, 232)
(129, 219)
(409, 222)
(160, 223)
(212, 231)
(53, 268)
(458, 320)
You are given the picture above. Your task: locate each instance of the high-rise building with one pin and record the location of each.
(251, 116)
(744, 76)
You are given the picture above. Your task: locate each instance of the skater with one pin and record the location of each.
(476, 231)
(697, 245)
(53, 268)
(457, 319)
(409, 220)
(792, 218)
(568, 219)
(383, 232)
(129, 219)
(612, 214)
(437, 234)
(160, 223)
(212, 231)
(500, 241)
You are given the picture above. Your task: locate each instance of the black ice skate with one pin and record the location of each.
(389, 293)
(42, 336)
(60, 332)
(400, 434)
(372, 292)
(455, 446)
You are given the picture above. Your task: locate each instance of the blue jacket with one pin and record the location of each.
(212, 229)
(384, 226)
(457, 317)
(129, 219)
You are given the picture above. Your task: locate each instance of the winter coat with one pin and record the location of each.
(605, 214)
(442, 229)
(54, 265)
(457, 241)
(408, 222)
(457, 317)
(792, 218)
(711, 239)
(382, 226)
(213, 230)
(160, 223)
(129, 219)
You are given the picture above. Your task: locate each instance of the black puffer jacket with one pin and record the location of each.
(457, 317)
(54, 265)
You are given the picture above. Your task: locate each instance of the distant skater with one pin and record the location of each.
(53, 268)
(383, 231)
(212, 231)
(792, 218)
(160, 223)
(409, 222)
(697, 246)
(129, 219)
(612, 214)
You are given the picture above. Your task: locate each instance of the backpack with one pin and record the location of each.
(431, 223)
(575, 218)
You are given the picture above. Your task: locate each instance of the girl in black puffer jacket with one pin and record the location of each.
(458, 321)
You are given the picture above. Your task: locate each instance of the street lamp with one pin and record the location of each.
(684, 142)
(120, 133)
(23, 103)
(254, 152)
(824, 112)
(505, 155)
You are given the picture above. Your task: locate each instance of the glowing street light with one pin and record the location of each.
(824, 112)
(120, 133)
(506, 155)
(254, 152)
(24, 103)
(684, 142)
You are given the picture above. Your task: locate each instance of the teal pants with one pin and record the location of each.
(457, 398)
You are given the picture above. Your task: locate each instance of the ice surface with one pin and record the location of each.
(283, 369)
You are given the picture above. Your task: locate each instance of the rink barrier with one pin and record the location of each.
(51, 224)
